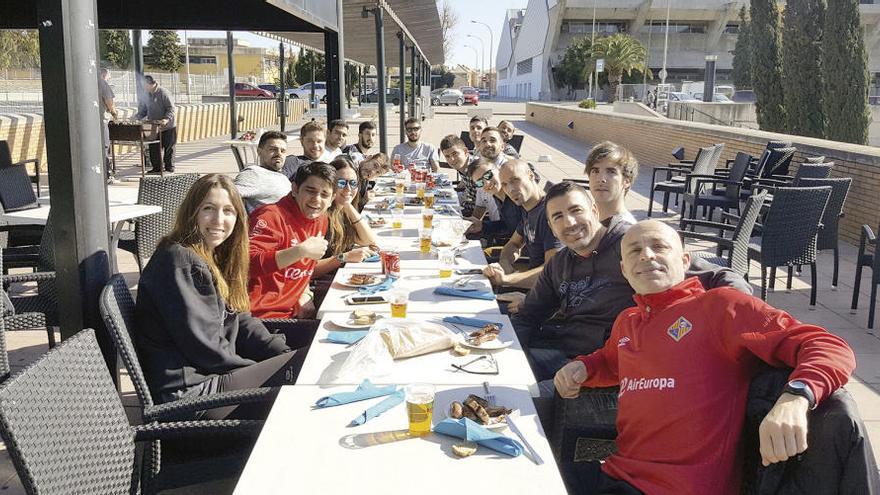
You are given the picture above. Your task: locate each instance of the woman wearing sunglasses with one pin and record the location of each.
(349, 236)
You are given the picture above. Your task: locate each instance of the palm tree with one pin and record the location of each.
(622, 54)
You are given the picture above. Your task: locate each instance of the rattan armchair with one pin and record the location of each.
(66, 431)
(829, 233)
(669, 186)
(871, 260)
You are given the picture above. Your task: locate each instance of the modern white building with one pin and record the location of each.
(534, 39)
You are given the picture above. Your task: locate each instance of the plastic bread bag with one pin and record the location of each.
(369, 358)
(406, 338)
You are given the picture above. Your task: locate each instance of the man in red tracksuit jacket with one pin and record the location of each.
(286, 240)
(683, 358)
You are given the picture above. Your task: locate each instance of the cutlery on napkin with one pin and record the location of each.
(471, 322)
(473, 294)
(366, 390)
(466, 429)
(385, 285)
(371, 412)
(347, 337)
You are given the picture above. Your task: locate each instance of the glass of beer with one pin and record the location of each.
(399, 185)
(398, 299)
(419, 407)
(425, 240)
(429, 199)
(446, 256)
(396, 219)
(420, 190)
(427, 218)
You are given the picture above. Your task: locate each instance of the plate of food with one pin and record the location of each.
(377, 222)
(359, 318)
(356, 280)
(380, 205)
(478, 410)
(414, 201)
(486, 338)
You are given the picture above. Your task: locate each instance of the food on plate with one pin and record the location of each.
(383, 205)
(477, 409)
(442, 243)
(361, 279)
(460, 349)
(415, 201)
(363, 317)
(464, 449)
(377, 222)
(488, 333)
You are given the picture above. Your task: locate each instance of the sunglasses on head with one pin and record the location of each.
(341, 183)
(482, 180)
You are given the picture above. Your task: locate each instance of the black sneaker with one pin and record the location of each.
(169, 170)
(154, 171)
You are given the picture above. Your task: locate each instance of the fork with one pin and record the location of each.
(463, 281)
(490, 397)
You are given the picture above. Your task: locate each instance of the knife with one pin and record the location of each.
(490, 397)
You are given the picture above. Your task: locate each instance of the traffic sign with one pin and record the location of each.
(600, 65)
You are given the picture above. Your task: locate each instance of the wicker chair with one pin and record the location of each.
(67, 433)
(789, 233)
(670, 186)
(117, 309)
(698, 194)
(737, 245)
(863, 259)
(829, 233)
(167, 192)
(6, 161)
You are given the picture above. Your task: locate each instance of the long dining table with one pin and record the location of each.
(307, 449)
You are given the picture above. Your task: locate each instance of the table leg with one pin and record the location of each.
(115, 232)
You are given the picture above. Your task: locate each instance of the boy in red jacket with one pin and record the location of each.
(683, 358)
(286, 240)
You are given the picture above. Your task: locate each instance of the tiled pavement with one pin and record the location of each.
(566, 160)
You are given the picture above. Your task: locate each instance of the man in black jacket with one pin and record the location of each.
(581, 290)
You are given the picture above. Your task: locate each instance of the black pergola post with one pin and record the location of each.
(68, 49)
(138, 52)
(401, 85)
(282, 93)
(380, 76)
(233, 114)
(335, 79)
(413, 82)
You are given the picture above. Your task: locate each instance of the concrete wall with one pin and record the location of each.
(27, 139)
(635, 108)
(652, 140)
(732, 114)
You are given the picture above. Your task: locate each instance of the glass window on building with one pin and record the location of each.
(731, 29)
(679, 27)
(524, 67)
(585, 27)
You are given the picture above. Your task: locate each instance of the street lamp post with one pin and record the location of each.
(491, 57)
(482, 51)
(665, 45)
(592, 42)
(476, 54)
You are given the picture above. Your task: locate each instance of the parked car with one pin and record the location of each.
(275, 89)
(717, 98)
(744, 96)
(447, 96)
(305, 91)
(246, 89)
(678, 96)
(484, 93)
(392, 95)
(471, 96)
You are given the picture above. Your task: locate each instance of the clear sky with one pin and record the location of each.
(491, 12)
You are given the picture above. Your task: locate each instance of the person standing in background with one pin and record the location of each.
(159, 107)
(105, 93)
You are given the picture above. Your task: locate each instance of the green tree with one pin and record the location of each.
(623, 55)
(115, 47)
(766, 67)
(570, 71)
(445, 80)
(845, 70)
(742, 53)
(164, 51)
(19, 49)
(302, 69)
(802, 85)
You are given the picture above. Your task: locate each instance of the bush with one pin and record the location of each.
(588, 103)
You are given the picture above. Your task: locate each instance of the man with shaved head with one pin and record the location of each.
(532, 235)
(683, 358)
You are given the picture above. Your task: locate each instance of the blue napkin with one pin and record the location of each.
(385, 285)
(468, 430)
(372, 259)
(471, 322)
(389, 402)
(473, 294)
(348, 337)
(365, 390)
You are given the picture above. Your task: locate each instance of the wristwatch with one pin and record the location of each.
(341, 259)
(797, 387)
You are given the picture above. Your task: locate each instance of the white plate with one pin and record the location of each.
(497, 426)
(493, 345)
(346, 321)
(343, 281)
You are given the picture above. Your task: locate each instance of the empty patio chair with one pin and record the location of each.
(871, 260)
(167, 192)
(516, 141)
(789, 233)
(670, 186)
(117, 309)
(829, 233)
(698, 193)
(737, 243)
(66, 431)
(6, 161)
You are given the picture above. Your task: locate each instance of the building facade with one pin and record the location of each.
(533, 40)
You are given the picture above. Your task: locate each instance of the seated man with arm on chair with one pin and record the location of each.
(264, 183)
(683, 358)
(414, 150)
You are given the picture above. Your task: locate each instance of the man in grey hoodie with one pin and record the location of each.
(581, 290)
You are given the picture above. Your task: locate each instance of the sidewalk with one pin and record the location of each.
(566, 161)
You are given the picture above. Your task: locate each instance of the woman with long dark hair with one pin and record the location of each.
(195, 334)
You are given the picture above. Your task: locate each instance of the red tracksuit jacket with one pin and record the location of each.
(683, 359)
(275, 292)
